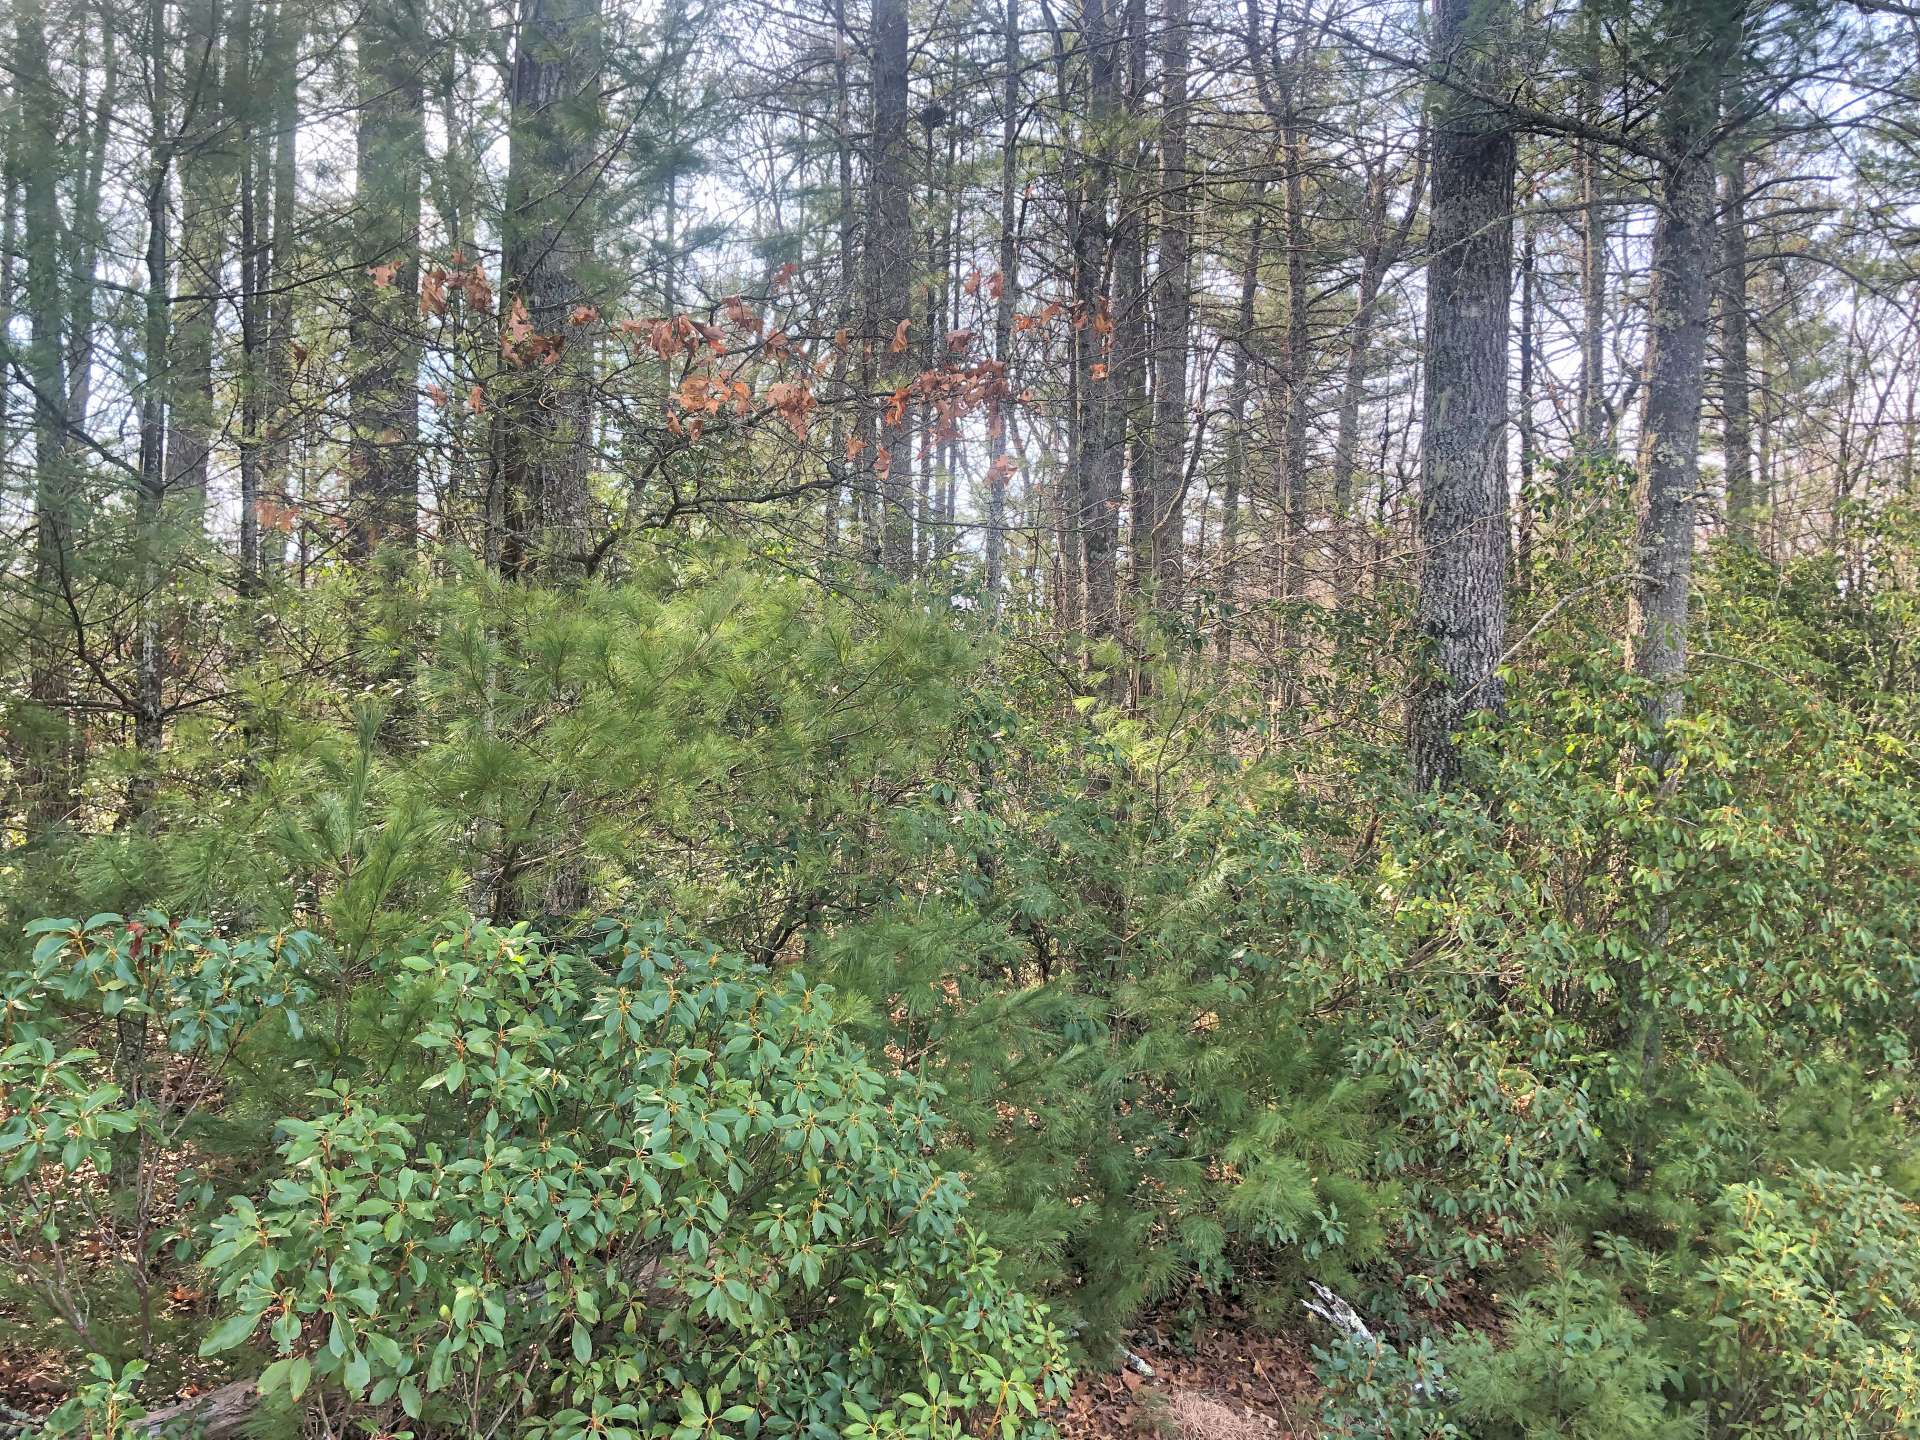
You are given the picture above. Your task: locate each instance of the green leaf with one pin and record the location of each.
(231, 1332)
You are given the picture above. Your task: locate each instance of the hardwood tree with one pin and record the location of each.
(1463, 475)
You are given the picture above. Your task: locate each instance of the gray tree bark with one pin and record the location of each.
(49, 779)
(1736, 393)
(1173, 284)
(545, 411)
(1239, 387)
(87, 234)
(1102, 419)
(890, 281)
(1382, 247)
(1595, 431)
(1462, 517)
(150, 661)
(206, 192)
(383, 394)
(1677, 326)
(1009, 260)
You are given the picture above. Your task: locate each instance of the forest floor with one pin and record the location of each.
(1232, 1383)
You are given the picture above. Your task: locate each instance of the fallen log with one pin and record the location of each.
(217, 1415)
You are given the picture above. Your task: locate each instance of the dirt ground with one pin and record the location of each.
(1236, 1385)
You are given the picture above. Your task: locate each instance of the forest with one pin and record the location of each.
(915, 719)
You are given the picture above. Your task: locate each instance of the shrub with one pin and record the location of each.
(646, 1189)
(1375, 1390)
(1811, 1306)
(1573, 1362)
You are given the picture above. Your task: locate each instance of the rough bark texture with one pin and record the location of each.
(890, 280)
(1102, 440)
(545, 411)
(1129, 454)
(255, 163)
(150, 661)
(1463, 481)
(1736, 395)
(87, 235)
(47, 777)
(383, 399)
(844, 313)
(1173, 286)
(1299, 344)
(276, 459)
(1238, 389)
(997, 465)
(1595, 430)
(206, 185)
(1278, 83)
(1677, 324)
(216, 1415)
(1523, 538)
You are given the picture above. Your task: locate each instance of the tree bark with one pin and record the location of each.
(383, 397)
(1736, 395)
(1462, 518)
(1239, 388)
(255, 163)
(1595, 431)
(1172, 315)
(1299, 345)
(1009, 260)
(1130, 455)
(1102, 438)
(1382, 248)
(545, 411)
(150, 661)
(1525, 400)
(87, 233)
(49, 781)
(890, 281)
(1677, 324)
(206, 186)
(277, 453)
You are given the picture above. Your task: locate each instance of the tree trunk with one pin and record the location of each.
(1383, 247)
(1130, 455)
(255, 163)
(384, 407)
(1736, 396)
(1172, 315)
(1677, 323)
(49, 781)
(1462, 522)
(1238, 389)
(1102, 438)
(545, 411)
(1524, 406)
(1595, 431)
(205, 194)
(88, 235)
(1299, 347)
(890, 281)
(277, 454)
(838, 467)
(998, 465)
(1678, 319)
(150, 661)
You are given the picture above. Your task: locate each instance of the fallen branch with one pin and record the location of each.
(1337, 1312)
(217, 1415)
